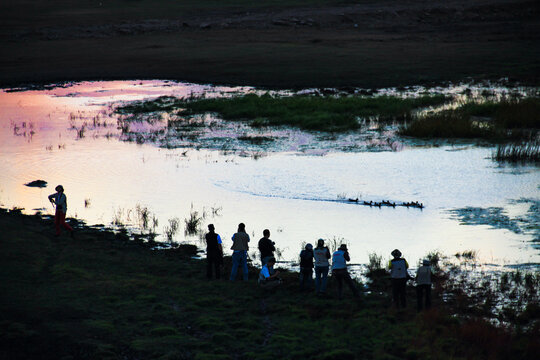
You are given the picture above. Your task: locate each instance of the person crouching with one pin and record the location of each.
(268, 277)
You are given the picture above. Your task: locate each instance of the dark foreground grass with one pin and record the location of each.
(100, 296)
(505, 119)
(306, 112)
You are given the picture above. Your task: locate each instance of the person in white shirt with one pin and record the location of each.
(340, 273)
(59, 199)
(398, 272)
(321, 254)
(423, 285)
(240, 248)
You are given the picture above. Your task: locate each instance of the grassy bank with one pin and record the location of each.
(504, 119)
(101, 296)
(306, 112)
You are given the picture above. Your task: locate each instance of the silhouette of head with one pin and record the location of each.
(266, 233)
(241, 227)
(211, 227)
(59, 188)
(426, 262)
(320, 243)
(396, 253)
(309, 246)
(271, 261)
(343, 247)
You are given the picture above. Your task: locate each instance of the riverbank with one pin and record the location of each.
(103, 296)
(284, 44)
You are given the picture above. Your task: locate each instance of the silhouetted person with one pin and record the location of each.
(321, 255)
(266, 247)
(398, 272)
(423, 285)
(306, 267)
(268, 277)
(214, 252)
(339, 270)
(240, 248)
(59, 199)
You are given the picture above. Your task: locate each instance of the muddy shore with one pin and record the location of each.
(285, 44)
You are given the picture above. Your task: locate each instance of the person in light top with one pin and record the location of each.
(423, 284)
(268, 277)
(398, 272)
(321, 255)
(339, 270)
(59, 199)
(214, 252)
(240, 248)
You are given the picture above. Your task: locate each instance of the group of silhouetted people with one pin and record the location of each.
(314, 260)
(311, 260)
(319, 259)
(399, 274)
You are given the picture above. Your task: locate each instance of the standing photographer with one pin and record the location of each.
(59, 200)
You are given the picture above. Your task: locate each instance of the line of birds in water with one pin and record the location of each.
(413, 204)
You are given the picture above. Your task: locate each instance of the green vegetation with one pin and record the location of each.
(505, 119)
(306, 112)
(375, 264)
(101, 296)
(193, 223)
(446, 124)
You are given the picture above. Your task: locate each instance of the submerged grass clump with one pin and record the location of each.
(522, 152)
(171, 229)
(162, 103)
(193, 222)
(447, 124)
(507, 118)
(375, 264)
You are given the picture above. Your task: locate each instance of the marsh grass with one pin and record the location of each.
(435, 258)
(470, 255)
(515, 118)
(518, 153)
(320, 113)
(193, 222)
(375, 263)
(81, 131)
(256, 140)
(310, 112)
(509, 297)
(171, 229)
(446, 124)
(162, 103)
(334, 243)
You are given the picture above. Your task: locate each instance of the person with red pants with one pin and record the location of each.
(59, 199)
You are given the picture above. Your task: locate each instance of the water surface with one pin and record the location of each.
(290, 185)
